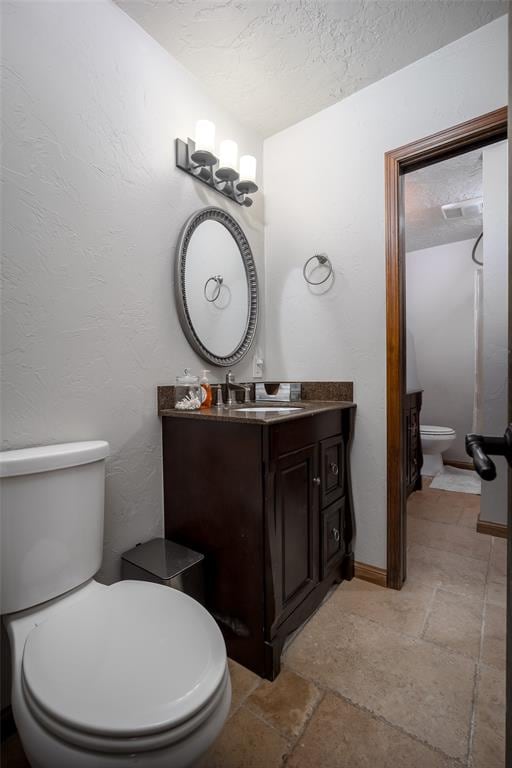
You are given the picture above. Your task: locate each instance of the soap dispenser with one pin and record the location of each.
(206, 390)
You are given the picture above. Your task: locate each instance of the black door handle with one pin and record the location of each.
(479, 446)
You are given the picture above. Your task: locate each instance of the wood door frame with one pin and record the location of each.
(453, 141)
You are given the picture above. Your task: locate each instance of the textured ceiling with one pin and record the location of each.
(272, 64)
(451, 181)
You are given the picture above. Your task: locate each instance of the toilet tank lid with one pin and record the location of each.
(44, 458)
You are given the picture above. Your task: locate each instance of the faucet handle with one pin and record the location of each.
(229, 377)
(219, 399)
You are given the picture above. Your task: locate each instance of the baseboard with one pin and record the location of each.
(371, 573)
(459, 464)
(492, 529)
(7, 724)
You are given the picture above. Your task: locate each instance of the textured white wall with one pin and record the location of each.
(440, 311)
(324, 191)
(495, 311)
(92, 208)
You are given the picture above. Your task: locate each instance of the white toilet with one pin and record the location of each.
(103, 677)
(434, 442)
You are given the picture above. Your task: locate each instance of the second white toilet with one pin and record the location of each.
(434, 442)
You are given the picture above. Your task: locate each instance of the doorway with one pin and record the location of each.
(471, 135)
(474, 134)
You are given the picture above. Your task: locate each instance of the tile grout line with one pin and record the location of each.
(476, 684)
(448, 588)
(407, 636)
(244, 698)
(436, 643)
(304, 728)
(450, 552)
(428, 611)
(380, 718)
(291, 742)
(260, 717)
(456, 524)
(442, 647)
(243, 703)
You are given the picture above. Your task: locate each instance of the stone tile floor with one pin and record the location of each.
(384, 678)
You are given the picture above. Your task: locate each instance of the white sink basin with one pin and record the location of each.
(270, 409)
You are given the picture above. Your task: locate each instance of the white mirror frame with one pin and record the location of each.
(216, 214)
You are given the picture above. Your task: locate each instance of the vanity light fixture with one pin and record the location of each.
(222, 173)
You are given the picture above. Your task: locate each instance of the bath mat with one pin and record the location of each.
(454, 479)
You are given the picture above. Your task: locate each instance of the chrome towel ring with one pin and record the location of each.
(323, 260)
(218, 280)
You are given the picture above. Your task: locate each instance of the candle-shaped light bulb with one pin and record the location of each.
(228, 154)
(204, 150)
(247, 184)
(248, 168)
(205, 136)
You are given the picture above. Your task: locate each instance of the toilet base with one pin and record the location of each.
(432, 464)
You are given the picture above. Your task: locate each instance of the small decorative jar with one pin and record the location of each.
(188, 392)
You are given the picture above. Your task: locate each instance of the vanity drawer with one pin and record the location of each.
(332, 541)
(293, 435)
(332, 464)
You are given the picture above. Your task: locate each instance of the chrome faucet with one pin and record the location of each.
(231, 387)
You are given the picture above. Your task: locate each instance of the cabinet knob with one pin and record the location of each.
(334, 468)
(335, 534)
(316, 481)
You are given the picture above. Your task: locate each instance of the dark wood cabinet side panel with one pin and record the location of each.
(348, 422)
(213, 496)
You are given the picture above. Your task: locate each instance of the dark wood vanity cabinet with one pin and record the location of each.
(270, 506)
(413, 452)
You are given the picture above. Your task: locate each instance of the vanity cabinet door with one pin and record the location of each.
(332, 462)
(295, 534)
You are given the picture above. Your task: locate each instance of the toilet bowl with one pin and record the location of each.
(102, 676)
(434, 442)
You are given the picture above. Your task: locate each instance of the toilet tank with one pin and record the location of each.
(51, 514)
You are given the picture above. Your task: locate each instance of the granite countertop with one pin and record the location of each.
(307, 408)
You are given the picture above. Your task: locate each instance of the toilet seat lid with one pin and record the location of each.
(135, 659)
(428, 429)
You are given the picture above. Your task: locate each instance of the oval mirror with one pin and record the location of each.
(216, 287)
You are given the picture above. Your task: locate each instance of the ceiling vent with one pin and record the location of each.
(466, 209)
